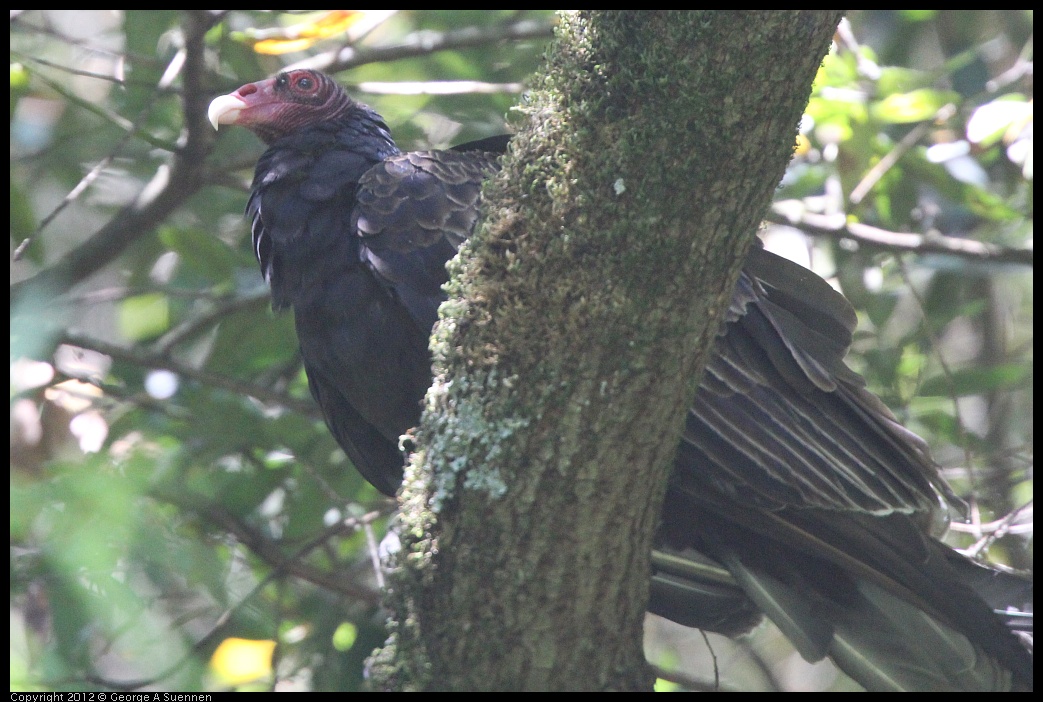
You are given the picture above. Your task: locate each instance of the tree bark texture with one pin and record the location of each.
(579, 320)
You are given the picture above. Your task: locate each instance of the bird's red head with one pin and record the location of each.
(274, 107)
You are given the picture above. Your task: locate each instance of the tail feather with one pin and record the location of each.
(880, 640)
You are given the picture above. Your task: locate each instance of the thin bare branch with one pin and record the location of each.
(169, 188)
(424, 43)
(837, 226)
(213, 380)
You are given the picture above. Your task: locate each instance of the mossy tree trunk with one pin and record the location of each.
(580, 319)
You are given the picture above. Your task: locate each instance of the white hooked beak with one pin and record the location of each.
(225, 109)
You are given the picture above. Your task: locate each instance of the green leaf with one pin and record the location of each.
(894, 80)
(345, 635)
(201, 251)
(23, 221)
(976, 381)
(913, 106)
(144, 316)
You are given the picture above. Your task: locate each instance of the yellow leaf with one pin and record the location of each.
(298, 37)
(274, 47)
(239, 661)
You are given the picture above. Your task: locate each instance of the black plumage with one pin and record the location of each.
(795, 494)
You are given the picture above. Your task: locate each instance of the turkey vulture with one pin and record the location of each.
(795, 493)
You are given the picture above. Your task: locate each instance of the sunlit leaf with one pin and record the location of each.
(301, 36)
(918, 15)
(239, 661)
(345, 635)
(914, 106)
(991, 121)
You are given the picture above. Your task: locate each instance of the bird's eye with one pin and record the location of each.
(306, 83)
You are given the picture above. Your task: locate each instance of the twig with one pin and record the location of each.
(168, 189)
(424, 43)
(837, 226)
(147, 360)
